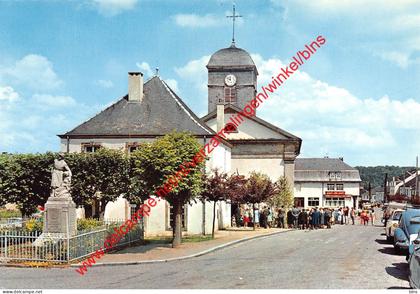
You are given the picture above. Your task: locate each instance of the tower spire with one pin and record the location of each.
(233, 16)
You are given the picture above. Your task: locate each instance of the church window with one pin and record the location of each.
(90, 147)
(230, 95)
(230, 128)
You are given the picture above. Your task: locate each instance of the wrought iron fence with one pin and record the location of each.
(31, 246)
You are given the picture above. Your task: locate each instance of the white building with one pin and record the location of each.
(325, 182)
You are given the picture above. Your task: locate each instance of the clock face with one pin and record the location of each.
(230, 80)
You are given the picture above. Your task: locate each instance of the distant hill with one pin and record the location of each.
(376, 174)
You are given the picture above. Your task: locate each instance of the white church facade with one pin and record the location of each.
(152, 109)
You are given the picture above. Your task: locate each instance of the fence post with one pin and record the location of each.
(68, 238)
(5, 242)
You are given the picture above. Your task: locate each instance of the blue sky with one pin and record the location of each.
(357, 97)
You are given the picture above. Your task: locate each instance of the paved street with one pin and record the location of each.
(343, 257)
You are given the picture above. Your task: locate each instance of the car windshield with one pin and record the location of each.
(397, 215)
(414, 226)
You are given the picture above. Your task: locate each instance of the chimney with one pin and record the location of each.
(135, 86)
(220, 116)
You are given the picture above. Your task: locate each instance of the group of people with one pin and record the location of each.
(313, 218)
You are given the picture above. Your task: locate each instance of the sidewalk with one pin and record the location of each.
(157, 252)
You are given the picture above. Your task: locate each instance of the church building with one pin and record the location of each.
(152, 109)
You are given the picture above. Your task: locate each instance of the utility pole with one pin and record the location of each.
(385, 188)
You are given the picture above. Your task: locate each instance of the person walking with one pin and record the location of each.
(352, 215)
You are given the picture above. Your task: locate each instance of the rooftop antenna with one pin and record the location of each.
(233, 16)
(157, 71)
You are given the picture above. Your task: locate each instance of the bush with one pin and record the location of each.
(34, 225)
(88, 223)
(8, 213)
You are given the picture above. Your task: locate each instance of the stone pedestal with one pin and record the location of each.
(60, 216)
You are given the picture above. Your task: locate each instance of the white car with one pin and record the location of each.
(392, 224)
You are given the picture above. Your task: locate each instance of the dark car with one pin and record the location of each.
(414, 263)
(407, 231)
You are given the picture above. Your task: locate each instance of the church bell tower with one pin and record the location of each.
(232, 75)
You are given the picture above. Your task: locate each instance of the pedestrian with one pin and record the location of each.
(269, 218)
(246, 218)
(301, 220)
(327, 217)
(256, 216)
(281, 218)
(295, 213)
(346, 215)
(310, 218)
(290, 220)
(372, 215)
(315, 218)
(352, 215)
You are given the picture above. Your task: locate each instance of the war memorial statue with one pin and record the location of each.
(60, 210)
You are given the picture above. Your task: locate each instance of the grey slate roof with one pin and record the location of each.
(317, 170)
(160, 112)
(231, 56)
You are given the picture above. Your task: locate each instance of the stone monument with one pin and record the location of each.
(60, 210)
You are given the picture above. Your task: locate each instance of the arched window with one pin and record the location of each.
(230, 95)
(231, 128)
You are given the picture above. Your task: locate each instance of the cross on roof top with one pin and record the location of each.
(233, 16)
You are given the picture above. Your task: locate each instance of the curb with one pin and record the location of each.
(187, 256)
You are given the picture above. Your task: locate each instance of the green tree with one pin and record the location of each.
(215, 189)
(283, 195)
(258, 188)
(157, 162)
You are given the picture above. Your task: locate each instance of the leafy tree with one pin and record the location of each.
(215, 189)
(236, 188)
(258, 188)
(376, 174)
(157, 162)
(283, 195)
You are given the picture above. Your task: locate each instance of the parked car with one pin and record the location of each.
(414, 263)
(392, 224)
(407, 231)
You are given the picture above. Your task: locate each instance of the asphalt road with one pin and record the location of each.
(342, 257)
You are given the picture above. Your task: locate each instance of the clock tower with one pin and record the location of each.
(232, 78)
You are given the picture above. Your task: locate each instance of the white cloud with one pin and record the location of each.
(173, 84)
(33, 71)
(53, 101)
(8, 93)
(145, 67)
(105, 83)
(198, 21)
(196, 74)
(113, 7)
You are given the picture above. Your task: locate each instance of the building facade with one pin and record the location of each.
(325, 182)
